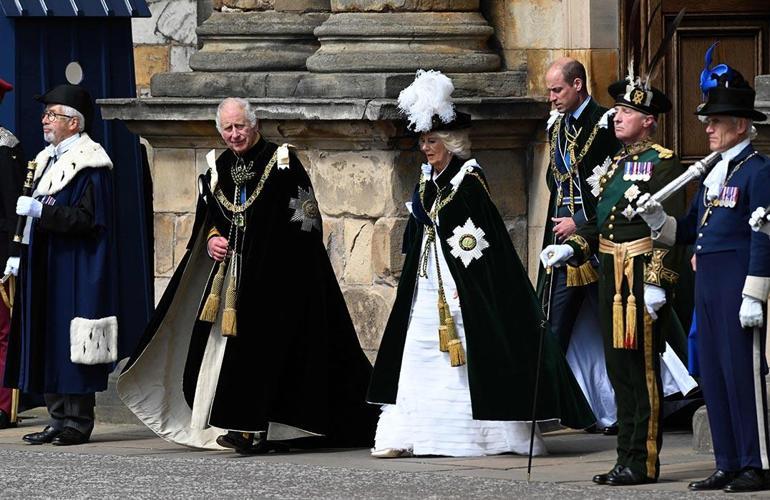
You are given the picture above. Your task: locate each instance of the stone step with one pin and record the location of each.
(301, 84)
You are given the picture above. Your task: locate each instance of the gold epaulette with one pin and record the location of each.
(663, 153)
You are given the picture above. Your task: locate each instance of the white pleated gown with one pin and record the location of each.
(432, 414)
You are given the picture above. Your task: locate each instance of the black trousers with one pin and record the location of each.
(565, 303)
(71, 410)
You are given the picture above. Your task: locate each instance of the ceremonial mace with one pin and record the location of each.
(694, 171)
(15, 251)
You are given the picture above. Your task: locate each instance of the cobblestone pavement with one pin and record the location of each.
(129, 461)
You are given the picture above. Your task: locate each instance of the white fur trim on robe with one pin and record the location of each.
(94, 341)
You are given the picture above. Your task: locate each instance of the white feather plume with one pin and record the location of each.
(428, 95)
(630, 76)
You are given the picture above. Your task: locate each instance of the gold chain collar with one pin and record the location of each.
(237, 208)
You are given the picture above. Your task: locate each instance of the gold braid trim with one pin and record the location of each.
(213, 232)
(654, 271)
(663, 153)
(236, 209)
(581, 275)
(585, 248)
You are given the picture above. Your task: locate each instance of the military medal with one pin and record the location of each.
(632, 193)
(637, 171)
(728, 197)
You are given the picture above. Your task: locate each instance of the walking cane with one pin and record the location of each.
(546, 306)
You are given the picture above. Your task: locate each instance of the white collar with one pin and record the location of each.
(716, 179)
(62, 147)
(576, 114)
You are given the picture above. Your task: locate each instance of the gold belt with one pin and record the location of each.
(623, 260)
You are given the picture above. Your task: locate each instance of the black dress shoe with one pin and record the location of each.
(715, 481)
(69, 436)
(5, 421)
(627, 477)
(263, 447)
(612, 430)
(45, 436)
(235, 440)
(592, 429)
(602, 478)
(747, 480)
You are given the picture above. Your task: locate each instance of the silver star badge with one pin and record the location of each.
(305, 209)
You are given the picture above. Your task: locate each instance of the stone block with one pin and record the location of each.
(144, 29)
(701, 432)
(173, 174)
(149, 60)
(369, 308)
(179, 60)
(404, 41)
(183, 226)
(504, 170)
(387, 259)
(249, 4)
(534, 246)
(360, 184)
(538, 62)
(334, 241)
(403, 5)
(160, 286)
(540, 24)
(177, 22)
(601, 66)
(358, 249)
(302, 5)
(539, 193)
(517, 230)
(164, 244)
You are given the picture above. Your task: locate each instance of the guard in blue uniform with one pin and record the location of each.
(731, 285)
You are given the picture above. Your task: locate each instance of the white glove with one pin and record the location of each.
(759, 220)
(654, 298)
(556, 255)
(751, 312)
(29, 206)
(651, 211)
(12, 266)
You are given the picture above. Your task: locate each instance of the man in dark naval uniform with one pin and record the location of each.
(64, 329)
(580, 139)
(252, 346)
(11, 180)
(636, 278)
(732, 284)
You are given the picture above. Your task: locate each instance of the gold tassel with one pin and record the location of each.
(443, 329)
(456, 352)
(630, 341)
(211, 307)
(229, 324)
(617, 322)
(581, 275)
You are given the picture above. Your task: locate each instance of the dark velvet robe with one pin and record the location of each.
(502, 316)
(296, 359)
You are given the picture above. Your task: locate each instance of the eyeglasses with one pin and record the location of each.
(51, 116)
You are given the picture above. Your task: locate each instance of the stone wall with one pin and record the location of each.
(164, 42)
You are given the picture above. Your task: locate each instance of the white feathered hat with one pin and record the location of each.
(427, 104)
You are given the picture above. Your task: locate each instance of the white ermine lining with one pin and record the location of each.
(94, 341)
(84, 153)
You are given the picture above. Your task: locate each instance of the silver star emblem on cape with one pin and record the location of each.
(594, 180)
(467, 242)
(305, 209)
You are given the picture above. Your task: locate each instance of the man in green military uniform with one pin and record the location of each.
(636, 278)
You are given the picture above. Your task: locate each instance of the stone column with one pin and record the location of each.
(404, 35)
(270, 35)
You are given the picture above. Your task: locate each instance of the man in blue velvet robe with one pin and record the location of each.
(64, 334)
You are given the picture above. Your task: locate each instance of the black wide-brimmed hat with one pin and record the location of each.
(733, 96)
(427, 104)
(73, 96)
(461, 121)
(648, 100)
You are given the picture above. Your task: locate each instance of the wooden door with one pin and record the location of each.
(742, 28)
